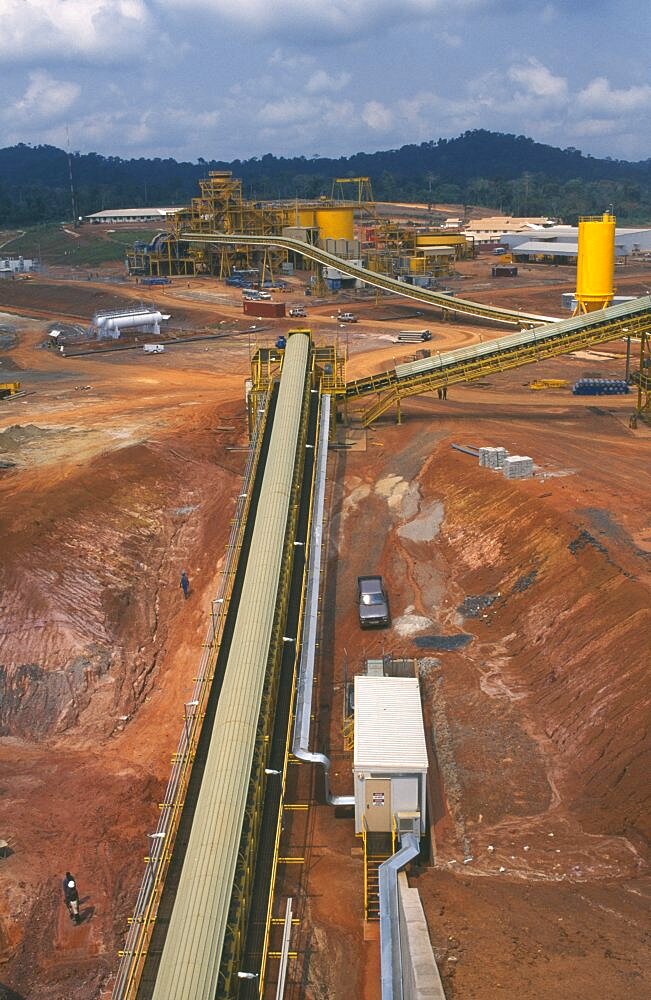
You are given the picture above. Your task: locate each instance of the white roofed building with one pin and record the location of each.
(562, 243)
(390, 754)
(114, 216)
(490, 230)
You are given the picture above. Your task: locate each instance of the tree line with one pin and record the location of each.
(511, 174)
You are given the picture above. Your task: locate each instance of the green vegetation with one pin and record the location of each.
(506, 173)
(82, 247)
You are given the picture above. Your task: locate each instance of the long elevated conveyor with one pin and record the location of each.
(529, 346)
(203, 928)
(510, 317)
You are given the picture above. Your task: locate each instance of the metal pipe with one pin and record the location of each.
(305, 686)
(284, 951)
(390, 952)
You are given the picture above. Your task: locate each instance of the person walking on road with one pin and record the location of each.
(185, 584)
(71, 896)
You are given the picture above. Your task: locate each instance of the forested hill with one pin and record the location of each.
(509, 173)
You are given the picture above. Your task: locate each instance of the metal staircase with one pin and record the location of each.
(377, 848)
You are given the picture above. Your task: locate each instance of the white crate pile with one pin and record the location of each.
(518, 467)
(492, 458)
(511, 466)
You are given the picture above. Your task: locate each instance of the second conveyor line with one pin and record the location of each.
(511, 317)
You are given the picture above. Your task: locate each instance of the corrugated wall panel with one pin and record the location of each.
(191, 957)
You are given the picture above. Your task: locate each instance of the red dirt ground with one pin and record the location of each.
(540, 722)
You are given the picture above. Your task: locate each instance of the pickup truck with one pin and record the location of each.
(297, 311)
(347, 318)
(372, 602)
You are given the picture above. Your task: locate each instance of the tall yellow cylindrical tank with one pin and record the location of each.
(595, 267)
(306, 217)
(335, 223)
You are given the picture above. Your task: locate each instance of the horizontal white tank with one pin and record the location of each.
(110, 324)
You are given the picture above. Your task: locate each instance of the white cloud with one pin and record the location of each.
(538, 82)
(323, 21)
(70, 29)
(45, 99)
(320, 82)
(600, 97)
(286, 111)
(377, 116)
(597, 126)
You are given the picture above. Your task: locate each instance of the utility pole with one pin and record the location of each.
(72, 187)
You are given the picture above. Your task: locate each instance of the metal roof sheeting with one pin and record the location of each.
(389, 730)
(549, 248)
(190, 963)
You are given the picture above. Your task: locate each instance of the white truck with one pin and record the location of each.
(153, 348)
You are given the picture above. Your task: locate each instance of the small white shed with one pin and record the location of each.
(390, 754)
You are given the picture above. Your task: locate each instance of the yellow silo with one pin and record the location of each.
(306, 217)
(335, 223)
(595, 266)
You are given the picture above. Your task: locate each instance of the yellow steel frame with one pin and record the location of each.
(364, 198)
(279, 828)
(238, 916)
(395, 390)
(148, 918)
(643, 377)
(328, 370)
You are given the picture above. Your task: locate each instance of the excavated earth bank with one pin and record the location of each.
(540, 804)
(527, 602)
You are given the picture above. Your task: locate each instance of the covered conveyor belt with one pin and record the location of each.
(450, 303)
(195, 963)
(469, 363)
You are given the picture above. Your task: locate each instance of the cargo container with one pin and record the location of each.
(504, 271)
(266, 310)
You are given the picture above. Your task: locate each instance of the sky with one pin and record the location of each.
(234, 79)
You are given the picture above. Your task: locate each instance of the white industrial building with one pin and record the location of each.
(486, 232)
(390, 755)
(560, 243)
(10, 266)
(114, 216)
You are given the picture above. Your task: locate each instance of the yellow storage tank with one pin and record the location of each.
(417, 265)
(595, 267)
(307, 217)
(335, 223)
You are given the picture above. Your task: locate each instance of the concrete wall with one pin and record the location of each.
(420, 975)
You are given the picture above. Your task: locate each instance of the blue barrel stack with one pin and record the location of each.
(600, 387)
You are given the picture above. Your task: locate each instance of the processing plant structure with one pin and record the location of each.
(328, 223)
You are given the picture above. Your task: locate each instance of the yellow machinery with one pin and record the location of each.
(595, 268)
(548, 383)
(9, 389)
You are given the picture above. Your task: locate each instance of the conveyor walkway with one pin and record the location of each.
(449, 303)
(471, 363)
